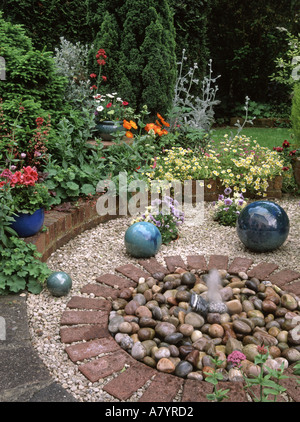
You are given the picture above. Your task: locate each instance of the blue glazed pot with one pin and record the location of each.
(106, 128)
(27, 225)
(142, 240)
(263, 226)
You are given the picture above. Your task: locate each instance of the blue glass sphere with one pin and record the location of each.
(263, 226)
(59, 283)
(142, 240)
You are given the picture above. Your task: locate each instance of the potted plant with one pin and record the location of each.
(29, 199)
(110, 113)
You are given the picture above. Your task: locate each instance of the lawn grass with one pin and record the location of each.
(266, 137)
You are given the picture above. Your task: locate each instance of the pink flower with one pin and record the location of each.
(236, 357)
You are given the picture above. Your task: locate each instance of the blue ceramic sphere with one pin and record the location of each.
(263, 226)
(142, 240)
(59, 283)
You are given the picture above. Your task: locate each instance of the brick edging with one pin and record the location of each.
(62, 226)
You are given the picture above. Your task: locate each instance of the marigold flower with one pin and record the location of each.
(129, 134)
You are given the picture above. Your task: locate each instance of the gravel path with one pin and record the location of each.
(101, 250)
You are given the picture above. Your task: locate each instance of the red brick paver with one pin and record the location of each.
(87, 332)
(115, 281)
(283, 277)
(133, 272)
(90, 349)
(153, 266)
(262, 271)
(103, 291)
(105, 366)
(240, 265)
(167, 383)
(87, 303)
(220, 262)
(196, 262)
(129, 381)
(84, 317)
(174, 262)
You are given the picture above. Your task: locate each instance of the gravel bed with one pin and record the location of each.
(101, 250)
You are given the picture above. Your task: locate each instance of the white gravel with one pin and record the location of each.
(101, 250)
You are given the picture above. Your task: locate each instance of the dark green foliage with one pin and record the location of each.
(190, 21)
(244, 42)
(30, 74)
(141, 52)
(46, 21)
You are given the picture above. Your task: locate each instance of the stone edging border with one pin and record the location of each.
(84, 330)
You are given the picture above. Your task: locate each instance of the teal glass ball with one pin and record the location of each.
(59, 283)
(263, 226)
(142, 240)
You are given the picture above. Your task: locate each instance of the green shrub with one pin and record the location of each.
(295, 117)
(30, 74)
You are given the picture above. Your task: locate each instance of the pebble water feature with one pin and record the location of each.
(177, 323)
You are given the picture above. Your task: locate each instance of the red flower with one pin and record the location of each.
(39, 121)
(278, 149)
(285, 144)
(125, 103)
(108, 105)
(101, 62)
(104, 78)
(262, 350)
(285, 168)
(93, 87)
(291, 153)
(93, 75)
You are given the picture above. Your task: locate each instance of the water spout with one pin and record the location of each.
(213, 301)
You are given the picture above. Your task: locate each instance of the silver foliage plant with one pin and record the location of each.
(71, 62)
(195, 112)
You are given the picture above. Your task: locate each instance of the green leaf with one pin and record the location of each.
(72, 186)
(88, 189)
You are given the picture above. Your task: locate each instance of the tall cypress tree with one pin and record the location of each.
(144, 62)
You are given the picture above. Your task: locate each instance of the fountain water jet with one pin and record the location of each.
(214, 302)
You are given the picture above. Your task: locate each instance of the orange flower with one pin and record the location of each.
(150, 126)
(126, 124)
(129, 134)
(162, 120)
(133, 124)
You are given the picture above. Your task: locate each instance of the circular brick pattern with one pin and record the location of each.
(85, 323)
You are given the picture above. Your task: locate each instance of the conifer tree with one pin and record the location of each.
(139, 38)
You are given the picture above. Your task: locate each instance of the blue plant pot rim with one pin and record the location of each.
(27, 225)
